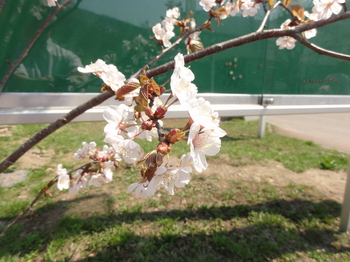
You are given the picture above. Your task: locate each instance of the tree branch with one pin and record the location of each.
(30, 44)
(249, 38)
(302, 40)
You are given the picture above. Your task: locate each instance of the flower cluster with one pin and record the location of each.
(230, 8)
(139, 117)
(203, 139)
(100, 170)
(322, 9)
(110, 74)
(163, 31)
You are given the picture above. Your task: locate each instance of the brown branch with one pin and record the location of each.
(11, 159)
(320, 50)
(253, 37)
(30, 44)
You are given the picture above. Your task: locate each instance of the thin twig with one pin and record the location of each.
(157, 57)
(267, 15)
(30, 44)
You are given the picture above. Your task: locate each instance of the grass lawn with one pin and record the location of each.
(217, 217)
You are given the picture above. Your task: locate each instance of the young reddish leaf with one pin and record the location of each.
(125, 89)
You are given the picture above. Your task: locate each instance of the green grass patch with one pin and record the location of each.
(214, 218)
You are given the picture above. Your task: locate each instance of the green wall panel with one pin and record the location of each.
(113, 31)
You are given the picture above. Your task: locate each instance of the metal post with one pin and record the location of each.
(345, 209)
(262, 126)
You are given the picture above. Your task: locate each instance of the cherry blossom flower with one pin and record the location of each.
(88, 149)
(79, 181)
(120, 121)
(180, 81)
(107, 171)
(207, 4)
(130, 150)
(173, 13)
(63, 178)
(164, 31)
(108, 152)
(166, 38)
(94, 68)
(158, 31)
(201, 111)
(51, 2)
(286, 42)
(105, 177)
(110, 74)
(323, 9)
(141, 189)
(310, 33)
(204, 142)
(232, 8)
(168, 176)
(249, 8)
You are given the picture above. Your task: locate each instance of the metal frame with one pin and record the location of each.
(25, 108)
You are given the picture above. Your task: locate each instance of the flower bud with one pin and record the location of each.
(147, 125)
(175, 135)
(160, 112)
(163, 148)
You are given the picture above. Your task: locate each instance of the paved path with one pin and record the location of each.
(328, 130)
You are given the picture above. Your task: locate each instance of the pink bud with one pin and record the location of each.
(160, 112)
(163, 148)
(147, 125)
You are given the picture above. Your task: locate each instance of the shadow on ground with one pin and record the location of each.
(261, 238)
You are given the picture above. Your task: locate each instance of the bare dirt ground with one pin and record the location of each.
(329, 183)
